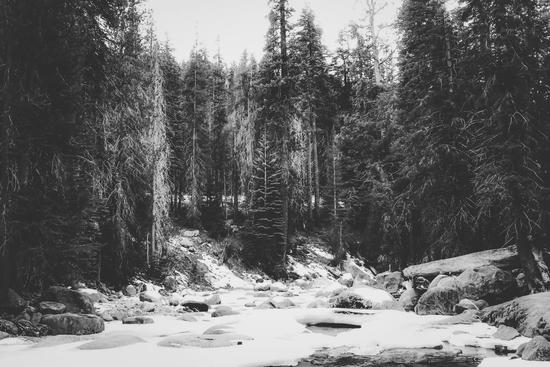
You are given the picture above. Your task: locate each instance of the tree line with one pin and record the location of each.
(432, 150)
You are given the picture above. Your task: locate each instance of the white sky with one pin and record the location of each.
(242, 24)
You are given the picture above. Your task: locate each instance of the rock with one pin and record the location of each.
(213, 300)
(389, 281)
(278, 287)
(506, 333)
(538, 349)
(346, 280)
(112, 341)
(27, 328)
(250, 304)
(421, 284)
(530, 315)
(262, 287)
(137, 320)
(130, 290)
(365, 298)
(171, 283)
(360, 274)
(4, 335)
(195, 306)
(73, 324)
(74, 301)
(150, 296)
(78, 285)
(9, 327)
(465, 318)
(468, 304)
(193, 233)
(277, 302)
(409, 299)
(224, 311)
(487, 282)
(48, 307)
(145, 307)
(36, 317)
(438, 301)
(107, 317)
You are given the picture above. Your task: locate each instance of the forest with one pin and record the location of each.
(435, 148)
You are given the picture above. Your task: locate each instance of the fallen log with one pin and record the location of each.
(505, 258)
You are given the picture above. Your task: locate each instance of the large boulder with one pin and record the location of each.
(75, 301)
(8, 327)
(365, 298)
(95, 295)
(73, 324)
(360, 275)
(438, 301)
(538, 349)
(530, 315)
(390, 281)
(487, 282)
(468, 304)
(130, 290)
(150, 296)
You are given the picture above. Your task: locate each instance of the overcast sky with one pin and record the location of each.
(242, 24)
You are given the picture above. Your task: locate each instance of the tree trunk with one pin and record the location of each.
(316, 169)
(371, 10)
(4, 169)
(309, 178)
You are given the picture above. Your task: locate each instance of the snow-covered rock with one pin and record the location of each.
(150, 296)
(278, 287)
(365, 298)
(346, 279)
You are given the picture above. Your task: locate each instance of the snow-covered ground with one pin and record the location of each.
(256, 336)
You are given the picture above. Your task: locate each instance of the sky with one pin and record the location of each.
(238, 25)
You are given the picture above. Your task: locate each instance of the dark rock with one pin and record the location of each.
(8, 327)
(538, 349)
(48, 307)
(438, 301)
(420, 283)
(171, 283)
(73, 324)
(196, 306)
(27, 328)
(501, 350)
(489, 283)
(506, 333)
(75, 301)
(409, 299)
(36, 317)
(530, 315)
(137, 320)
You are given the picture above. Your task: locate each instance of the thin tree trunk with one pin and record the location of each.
(371, 8)
(4, 170)
(309, 178)
(316, 169)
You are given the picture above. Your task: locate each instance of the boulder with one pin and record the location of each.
(277, 302)
(27, 328)
(175, 299)
(74, 301)
(538, 349)
(359, 273)
(438, 301)
(250, 304)
(365, 298)
(389, 281)
(95, 296)
(506, 333)
(49, 307)
(130, 290)
(487, 282)
(73, 324)
(9, 327)
(530, 315)
(346, 280)
(213, 300)
(137, 320)
(150, 296)
(195, 306)
(223, 311)
(262, 287)
(4, 335)
(468, 304)
(145, 307)
(409, 299)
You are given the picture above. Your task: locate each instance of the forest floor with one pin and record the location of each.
(266, 323)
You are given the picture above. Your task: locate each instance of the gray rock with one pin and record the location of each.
(49, 307)
(346, 280)
(195, 306)
(489, 283)
(538, 349)
(438, 301)
(171, 283)
(389, 281)
(74, 301)
(530, 315)
(506, 333)
(187, 317)
(73, 324)
(468, 304)
(4, 335)
(9, 327)
(137, 320)
(150, 296)
(213, 300)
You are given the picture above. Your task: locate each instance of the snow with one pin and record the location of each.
(220, 276)
(507, 362)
